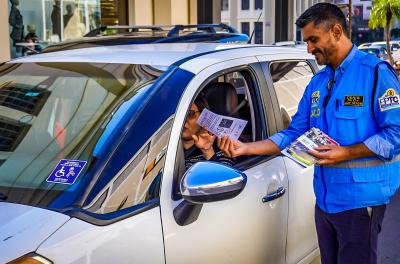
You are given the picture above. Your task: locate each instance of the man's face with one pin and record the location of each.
(191, 127)
(320, 42)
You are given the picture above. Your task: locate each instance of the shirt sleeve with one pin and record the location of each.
(386, 143)
(299, 124)
(221, 158)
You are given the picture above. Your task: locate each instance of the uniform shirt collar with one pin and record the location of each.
(342, 67)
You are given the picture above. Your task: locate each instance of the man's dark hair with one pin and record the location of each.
(323, 13)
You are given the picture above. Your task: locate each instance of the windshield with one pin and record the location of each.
(55, 117)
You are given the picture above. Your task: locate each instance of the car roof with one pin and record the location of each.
(198, 55)
(143, 34)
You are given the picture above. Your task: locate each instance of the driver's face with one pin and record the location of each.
(191, 127)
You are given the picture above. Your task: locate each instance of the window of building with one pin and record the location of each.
(258, 4)
(290, 80)
(37, 23)
(258, 32)
(245, 4)
(245, 28)
(224, 5)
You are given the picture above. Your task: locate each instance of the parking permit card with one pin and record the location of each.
(66, 171)
(220, 125)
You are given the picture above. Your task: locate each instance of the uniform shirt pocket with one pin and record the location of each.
(348, 112)
(347, 124)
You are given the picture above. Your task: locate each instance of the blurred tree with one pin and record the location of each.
(382, 13)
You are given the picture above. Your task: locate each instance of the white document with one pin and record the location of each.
(220, 125)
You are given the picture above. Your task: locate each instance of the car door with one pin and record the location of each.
(119, 220)
(243, 229)
(288, 80)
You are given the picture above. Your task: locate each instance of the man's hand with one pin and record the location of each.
(330, 154)
(231, 148)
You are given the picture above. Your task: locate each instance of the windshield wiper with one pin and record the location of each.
(3, 197)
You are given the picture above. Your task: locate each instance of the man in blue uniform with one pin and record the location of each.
(355, 100)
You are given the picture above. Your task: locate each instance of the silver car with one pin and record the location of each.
(91, 157)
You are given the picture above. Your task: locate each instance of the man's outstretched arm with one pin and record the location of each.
(234, 148)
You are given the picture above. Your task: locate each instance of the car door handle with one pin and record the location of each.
(272, 196)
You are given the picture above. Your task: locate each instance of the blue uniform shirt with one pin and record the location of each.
(354, 114)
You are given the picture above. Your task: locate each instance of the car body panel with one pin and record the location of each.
(217, 231)
(239, 230)
(137, 239)
(301, 235)
(23, 228)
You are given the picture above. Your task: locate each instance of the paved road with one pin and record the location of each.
(389, 238)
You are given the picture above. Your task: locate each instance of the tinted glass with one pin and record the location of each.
(290, 80)
(52, 112)
(245, 4)
(258, 32)
(246, 28)
(258, 4)
(224, 5)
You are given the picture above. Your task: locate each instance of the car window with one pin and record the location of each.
(234, 94)
(290, 79)
(75, 130)
(139, 181)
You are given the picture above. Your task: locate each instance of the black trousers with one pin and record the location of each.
(349, 237)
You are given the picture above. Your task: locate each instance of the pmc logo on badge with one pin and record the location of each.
(389, 100)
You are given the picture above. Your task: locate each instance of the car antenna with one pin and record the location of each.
(252, 33)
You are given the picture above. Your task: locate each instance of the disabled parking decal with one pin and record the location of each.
(66, 171)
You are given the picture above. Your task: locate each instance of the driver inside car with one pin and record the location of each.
(198, 143)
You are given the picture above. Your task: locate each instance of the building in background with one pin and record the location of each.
(361, 11)
(59, 20)
(271, 20)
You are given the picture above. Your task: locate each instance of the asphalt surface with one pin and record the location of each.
(389, 238)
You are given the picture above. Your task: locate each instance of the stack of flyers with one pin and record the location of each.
(298, 149)
(220, 125)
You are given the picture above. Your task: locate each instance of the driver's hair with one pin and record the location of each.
(201, 102)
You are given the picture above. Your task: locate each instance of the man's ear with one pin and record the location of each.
(337, 31)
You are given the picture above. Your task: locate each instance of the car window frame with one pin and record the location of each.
(266, 67)
(258, 100)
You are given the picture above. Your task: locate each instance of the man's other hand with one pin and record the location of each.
(330, 154)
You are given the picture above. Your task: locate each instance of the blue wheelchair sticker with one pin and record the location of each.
(66, 171)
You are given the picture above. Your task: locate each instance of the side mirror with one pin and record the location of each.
(210, 182)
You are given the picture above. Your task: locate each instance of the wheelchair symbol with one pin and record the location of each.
(60, 172)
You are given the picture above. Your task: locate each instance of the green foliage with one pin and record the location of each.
(382, 11)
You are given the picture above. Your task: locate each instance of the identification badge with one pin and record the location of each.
(66, 171)
(353, 100)
(389, 100)
(314, 99)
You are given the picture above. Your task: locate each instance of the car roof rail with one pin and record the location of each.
(210, 28)
(173, 30)
(98, 31)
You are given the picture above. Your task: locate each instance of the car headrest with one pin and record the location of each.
(221, 97)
